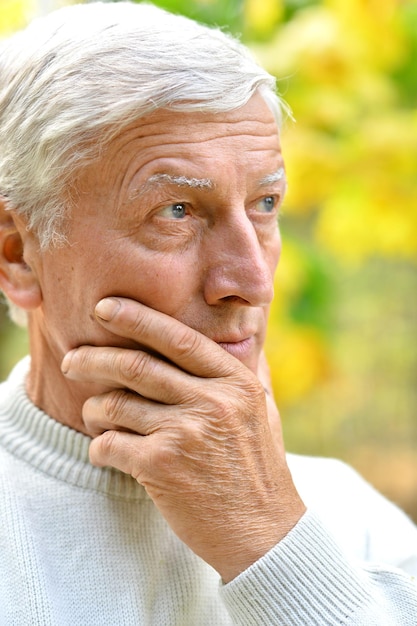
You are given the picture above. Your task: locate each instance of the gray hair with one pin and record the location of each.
(73, 79)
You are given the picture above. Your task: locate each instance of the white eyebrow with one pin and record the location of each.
(196, 183)
(273, 178)
(181, 181)
(206, 183)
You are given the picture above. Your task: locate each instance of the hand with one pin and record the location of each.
(274, 420)
(189, 422)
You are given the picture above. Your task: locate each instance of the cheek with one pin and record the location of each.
(167, 283)
(273, 252)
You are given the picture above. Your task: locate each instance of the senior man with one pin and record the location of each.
(143, 474)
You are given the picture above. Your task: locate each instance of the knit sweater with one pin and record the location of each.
(81, 545)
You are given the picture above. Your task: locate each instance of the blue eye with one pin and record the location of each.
(266, 205)
(175, 211)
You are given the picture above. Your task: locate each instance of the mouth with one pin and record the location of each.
(242, 349)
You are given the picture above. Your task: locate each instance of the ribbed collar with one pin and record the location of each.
(61, 452)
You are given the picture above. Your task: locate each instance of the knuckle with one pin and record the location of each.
(114, 406)
(165, 461)
(164, 456)
(107, 445)
(82, 358)
(140, 325)
(185, 342)
(136, 366)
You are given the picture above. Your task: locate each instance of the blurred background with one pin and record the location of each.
(342, 336)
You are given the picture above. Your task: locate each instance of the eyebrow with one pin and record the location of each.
(272, 178)
(195, 183)
(180, 181)
(206, 183)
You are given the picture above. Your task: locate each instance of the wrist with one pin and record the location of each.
(255, 541)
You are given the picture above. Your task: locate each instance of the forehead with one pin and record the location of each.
(192, 144)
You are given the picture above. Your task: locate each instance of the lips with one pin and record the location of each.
(241, 350)
(243, 341)
(235, 336)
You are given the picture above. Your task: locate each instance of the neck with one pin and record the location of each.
(50, 391)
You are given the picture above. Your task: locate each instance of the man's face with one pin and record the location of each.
(180, 214)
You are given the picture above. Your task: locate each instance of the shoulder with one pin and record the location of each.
(362, 519)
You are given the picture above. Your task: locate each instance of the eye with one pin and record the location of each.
(267, 204)
(176, 211)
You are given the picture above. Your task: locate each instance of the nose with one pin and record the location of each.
(241, 263)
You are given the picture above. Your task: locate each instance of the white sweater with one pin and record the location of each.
(85, 546)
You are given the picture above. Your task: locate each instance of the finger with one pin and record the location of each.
(136, 370)
(147, 459)
(116, 449)
(184, 346)
(141, 457)
(124, 411)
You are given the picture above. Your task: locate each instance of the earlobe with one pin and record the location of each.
(17, 280)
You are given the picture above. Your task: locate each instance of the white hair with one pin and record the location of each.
(75, 78)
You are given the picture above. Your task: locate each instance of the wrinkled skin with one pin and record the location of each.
(176, 227)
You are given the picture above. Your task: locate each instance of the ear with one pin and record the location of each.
(17, 279)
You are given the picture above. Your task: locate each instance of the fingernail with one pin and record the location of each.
(107, 308)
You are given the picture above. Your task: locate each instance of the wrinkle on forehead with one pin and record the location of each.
(171, 148)
(171, 126)
(204, 131)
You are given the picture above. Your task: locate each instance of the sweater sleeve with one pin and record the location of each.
(307, 579)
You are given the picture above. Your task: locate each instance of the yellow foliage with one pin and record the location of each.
(350, 159)
(326, 44)
(15, 14)
(374, 23)
(297, 353)
(373, 209)
(298, 361)
(356, 225)
(313, 165)
(309, 46)
(289, 278)
(262, 15)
